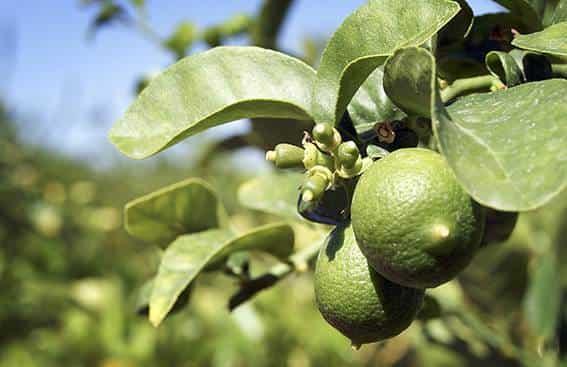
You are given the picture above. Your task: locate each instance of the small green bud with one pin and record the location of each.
(350, 161)
(327, 137)
(318, 180)
(286, 156)
(348, 154)
(314, 157)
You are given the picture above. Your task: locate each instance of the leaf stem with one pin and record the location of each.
(299, 262)
(559, 70)
(467, 85)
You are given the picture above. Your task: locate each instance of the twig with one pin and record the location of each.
(298, 262)
(467, 85)
(268, 24)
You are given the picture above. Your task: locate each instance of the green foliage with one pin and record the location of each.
(351, 56)
(163, 215)
(275, 194)
(396, 74)
(549, 41)
(190, 254)
(503, 66)
(371, 104)
(226, 91)
(513, 178)
(537, 13)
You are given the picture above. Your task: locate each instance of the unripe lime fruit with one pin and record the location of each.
(354, 298)
(413, 221)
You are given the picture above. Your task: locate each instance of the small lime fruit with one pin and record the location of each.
(354, 298)
(413, 221)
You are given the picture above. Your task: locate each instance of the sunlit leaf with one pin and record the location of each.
(185, 207)
(188, 255)
(507, 158)
(215, 87)
(504, 157)
(552, 40)
(364, 41)
(275, 194)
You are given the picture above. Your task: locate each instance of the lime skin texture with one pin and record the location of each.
(413, 221)
(354, 298)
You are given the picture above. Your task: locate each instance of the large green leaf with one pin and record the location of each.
(505, 157)
(371, 104)
(364, 40)
(275, 194)
(552, 40)
(208, 89)
(543, 298)
(188, 255)
(508, 148)
(185, 207)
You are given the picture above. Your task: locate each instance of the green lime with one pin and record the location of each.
(413, 221)
(354, 298)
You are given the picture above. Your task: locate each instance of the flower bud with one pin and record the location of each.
(327, 137)
(286, 156)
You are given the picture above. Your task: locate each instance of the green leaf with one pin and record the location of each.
(275, 194)
(538, 13)
(371, 104)
(185, 207)
(459, 27)
(505, 158)
(188, 255)
(408, 83)
(364, 41)
(212, 88)
(503, 66)
(552, 40)
(543, 298)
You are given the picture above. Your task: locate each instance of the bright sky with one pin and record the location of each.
(66, 85)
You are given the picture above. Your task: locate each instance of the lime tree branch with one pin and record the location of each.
(268, 24)
(298, 262)
(468, 85)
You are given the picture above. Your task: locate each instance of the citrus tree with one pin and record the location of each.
(432, 129)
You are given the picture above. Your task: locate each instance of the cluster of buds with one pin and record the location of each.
(324, 156)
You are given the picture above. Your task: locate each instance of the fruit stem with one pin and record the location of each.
(467, 85)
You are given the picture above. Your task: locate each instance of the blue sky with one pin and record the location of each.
(72, 89)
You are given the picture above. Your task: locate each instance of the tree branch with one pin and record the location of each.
(268, 23)
(299, 262)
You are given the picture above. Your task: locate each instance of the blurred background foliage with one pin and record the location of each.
(70, 275)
